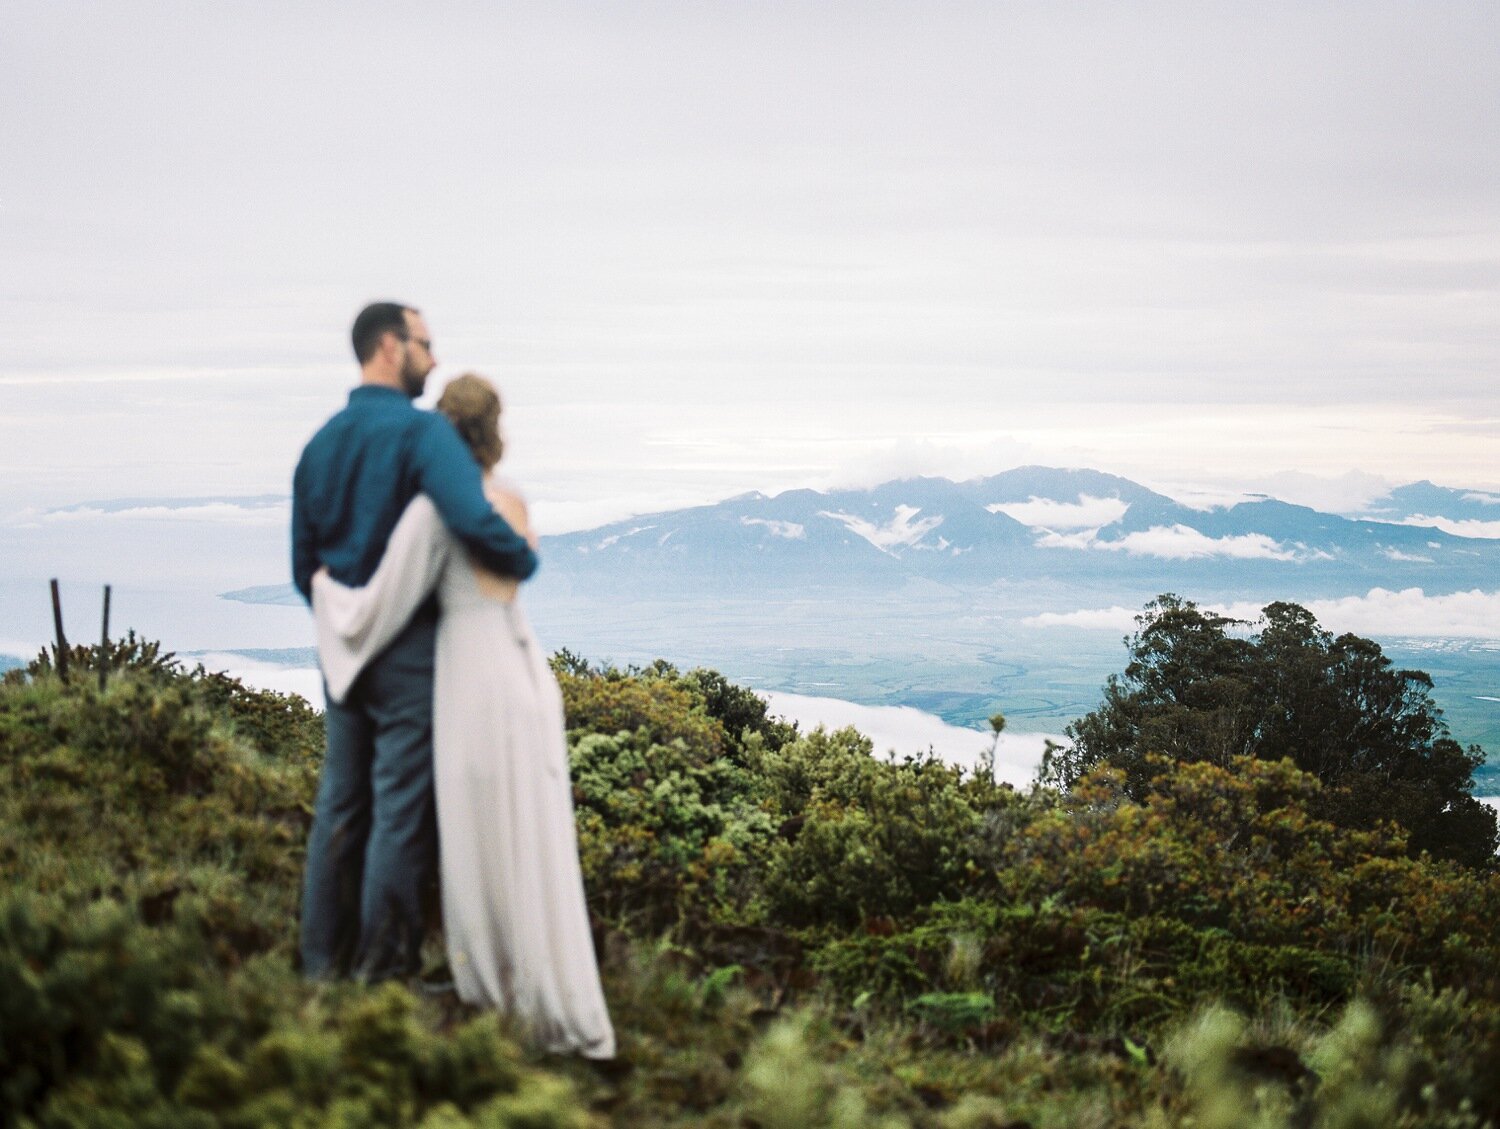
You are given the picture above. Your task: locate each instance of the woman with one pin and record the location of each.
(513, 905)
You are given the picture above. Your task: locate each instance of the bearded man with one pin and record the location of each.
(373, 847)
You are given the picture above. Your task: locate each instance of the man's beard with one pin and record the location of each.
(413, 380)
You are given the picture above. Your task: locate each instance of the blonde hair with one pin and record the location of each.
(473, 405)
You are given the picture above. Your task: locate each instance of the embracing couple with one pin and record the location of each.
(445, 726)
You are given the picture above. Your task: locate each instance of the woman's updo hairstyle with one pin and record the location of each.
(472, 404)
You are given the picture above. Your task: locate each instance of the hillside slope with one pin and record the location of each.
(793, 933)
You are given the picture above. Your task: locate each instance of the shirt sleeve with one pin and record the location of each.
(304, 543)
(448, 474)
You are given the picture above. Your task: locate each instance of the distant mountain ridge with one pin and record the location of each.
(1426, 499)
(1008, 592)
(1027, 524)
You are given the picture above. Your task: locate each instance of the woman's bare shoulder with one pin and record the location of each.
(498, 486)
(507, 501)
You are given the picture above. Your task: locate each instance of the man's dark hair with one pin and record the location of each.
(374, 320)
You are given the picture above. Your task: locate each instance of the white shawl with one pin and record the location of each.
(355, 624)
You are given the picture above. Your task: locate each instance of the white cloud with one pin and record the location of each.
(1088, 512)
(1467, 527)
(1347, 493)
(953, 449)
(260, 675)
(903, 729)
(1350, 492)
(554, 516)
(1113, 618)
(1391, 553)
(1081, 540)
(111, 376)
(790, 530)
(606, 542)
(899, 729)
(900, 530)
(1090, 263)
(1380, 613)
(1181, 542)
(1468, 615)
(943, 545)
(1203, 497)
(1482, 498)
(273, 513)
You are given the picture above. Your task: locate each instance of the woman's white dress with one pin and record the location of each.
(513, 904)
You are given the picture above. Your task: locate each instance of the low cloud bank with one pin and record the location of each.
(1088, 512)
(263, 675)
(1114, 618)
(903, 729)
(899, 729)
(1181, 543)
(235, 513)
(1380, 612)
(1458, 527)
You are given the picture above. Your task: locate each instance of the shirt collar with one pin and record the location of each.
(376, 392)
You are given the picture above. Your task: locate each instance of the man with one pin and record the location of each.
(374, 841)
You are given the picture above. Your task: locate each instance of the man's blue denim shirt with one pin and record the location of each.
(364, 465)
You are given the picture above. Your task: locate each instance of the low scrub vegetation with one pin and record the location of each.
(793, 931)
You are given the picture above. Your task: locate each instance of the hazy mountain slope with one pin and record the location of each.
(1028, 524)
(1425, 499)
(1065, 527)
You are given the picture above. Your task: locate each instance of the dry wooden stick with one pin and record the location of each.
(104, 643)
(61, 653)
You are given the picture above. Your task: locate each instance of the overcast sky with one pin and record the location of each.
(712, 247)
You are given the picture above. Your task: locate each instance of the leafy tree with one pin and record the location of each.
(1203, 687)
(741, 711)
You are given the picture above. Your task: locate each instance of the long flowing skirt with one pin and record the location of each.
(513, 902)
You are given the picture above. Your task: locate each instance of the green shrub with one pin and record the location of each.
(666, 834)
(862, 837)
